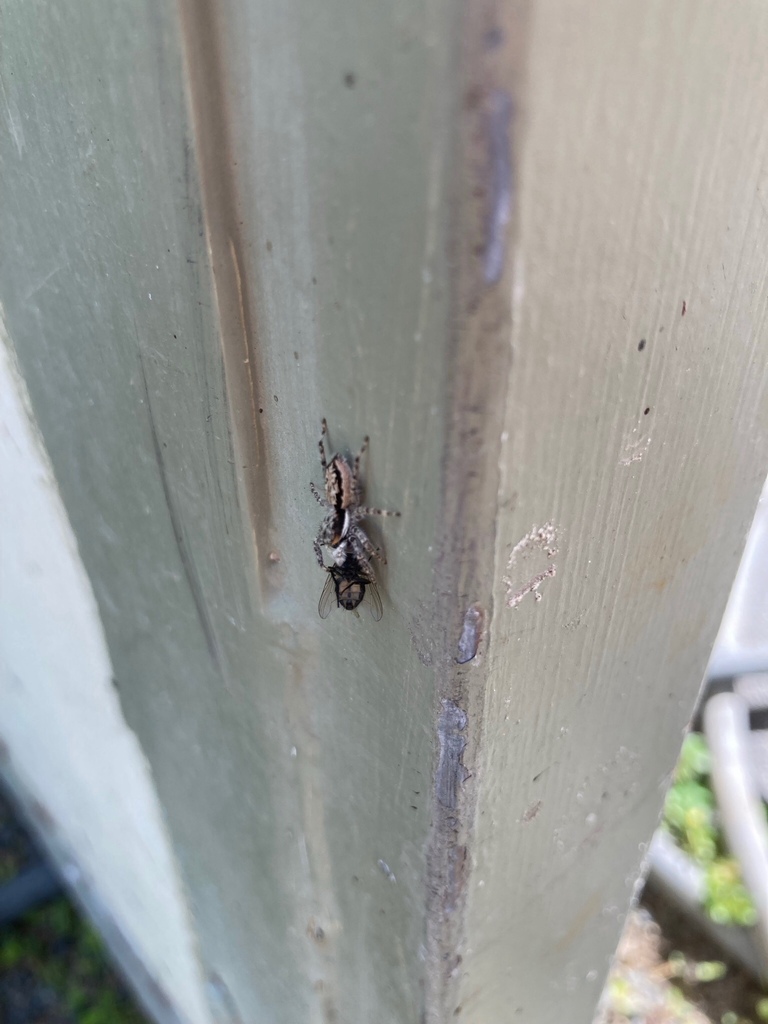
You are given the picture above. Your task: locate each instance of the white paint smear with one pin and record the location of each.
(530, 563)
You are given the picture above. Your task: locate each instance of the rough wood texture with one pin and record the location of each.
(468, 232)
(632, 455)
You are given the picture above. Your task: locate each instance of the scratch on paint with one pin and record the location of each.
(41, 283)
(187, 563)
(14, 122)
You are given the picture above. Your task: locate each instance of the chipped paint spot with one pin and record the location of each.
(315, 931)
(531, 811)
(634, 452)
(521, 578)
(386, 870)
(450, 773)
(471, 632)
(500, 211)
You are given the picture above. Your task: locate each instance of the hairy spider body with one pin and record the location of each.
(340, 531)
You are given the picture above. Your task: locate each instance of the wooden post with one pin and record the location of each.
(521, 247)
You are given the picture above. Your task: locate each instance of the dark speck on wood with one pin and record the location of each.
(493, 38)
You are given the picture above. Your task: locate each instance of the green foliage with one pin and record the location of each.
(59, 947)
(632, 998)
(623, 996)
(694, 763)
(727, 900)
(709, 970)
(11, 952)
(690, 815)
(8, 866)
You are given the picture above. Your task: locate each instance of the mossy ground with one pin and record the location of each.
(54, 969)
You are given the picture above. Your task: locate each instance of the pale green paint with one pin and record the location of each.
(222, 665)
(640, 186)
(328, 234)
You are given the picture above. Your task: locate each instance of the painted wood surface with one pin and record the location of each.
(631, 459)
(149, 244)
(468, 232)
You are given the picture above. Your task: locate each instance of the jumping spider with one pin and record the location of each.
(351, 549)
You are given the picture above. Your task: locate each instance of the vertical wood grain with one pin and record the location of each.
(467, 231)
(632, 454)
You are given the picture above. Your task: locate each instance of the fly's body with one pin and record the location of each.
(349, 584)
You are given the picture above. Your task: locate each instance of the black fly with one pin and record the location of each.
(348, 585)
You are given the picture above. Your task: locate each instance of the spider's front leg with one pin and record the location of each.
(321, 446)
(319, 553)
(362, 511)
(318, 496)
(356, 471)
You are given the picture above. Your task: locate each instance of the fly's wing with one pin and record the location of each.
(374, 601)
(327, 598)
